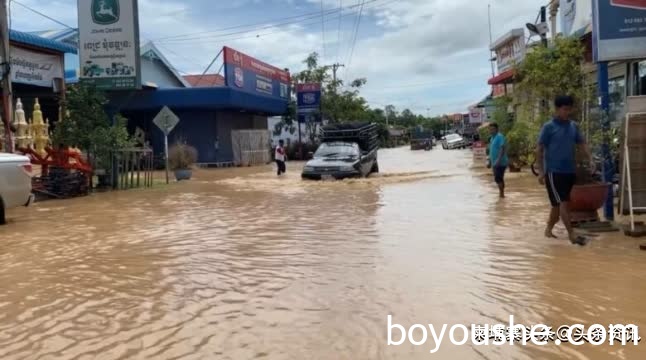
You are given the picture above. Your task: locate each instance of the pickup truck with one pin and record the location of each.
(346, 150)
(453, 141)
(15, 183)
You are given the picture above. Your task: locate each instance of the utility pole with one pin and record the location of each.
(335, 67)
(544, 21)
(7, 99)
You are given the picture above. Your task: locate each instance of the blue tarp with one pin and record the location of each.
(213, 98)
(40, 42)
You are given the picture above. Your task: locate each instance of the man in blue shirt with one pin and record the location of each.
(556, 162)
(498, 156)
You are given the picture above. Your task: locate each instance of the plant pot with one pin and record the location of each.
(183, 174)
(589, 197)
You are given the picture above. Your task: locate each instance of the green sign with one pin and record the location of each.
(105, 12)
(109, 44)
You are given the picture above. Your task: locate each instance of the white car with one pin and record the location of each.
(454, 141)
(15, 183)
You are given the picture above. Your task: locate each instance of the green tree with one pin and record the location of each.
(545, 73)
(88, 127)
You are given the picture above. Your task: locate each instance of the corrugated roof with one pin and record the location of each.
(40, 42)
(207, 80)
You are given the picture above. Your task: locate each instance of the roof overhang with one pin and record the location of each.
(206, 98)
(503, 77)
(38, 42)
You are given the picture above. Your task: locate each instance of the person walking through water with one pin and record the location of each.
(280, 158)
(556, 162)
(498, 157)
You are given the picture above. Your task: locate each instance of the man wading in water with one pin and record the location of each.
(498, 157)
(557, 164)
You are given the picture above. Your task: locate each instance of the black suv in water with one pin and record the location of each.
(346, 150)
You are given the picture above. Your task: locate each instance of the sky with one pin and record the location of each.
(430, 56)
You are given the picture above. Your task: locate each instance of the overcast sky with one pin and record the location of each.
(417, 54)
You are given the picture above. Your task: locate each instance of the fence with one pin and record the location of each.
(133, 168)
(251, 147)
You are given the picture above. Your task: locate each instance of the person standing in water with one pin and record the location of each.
(498, 157)
(556, 162)
(280, 158)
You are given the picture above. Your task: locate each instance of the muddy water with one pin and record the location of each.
(238, 264)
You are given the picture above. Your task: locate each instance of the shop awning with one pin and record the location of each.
(502, 77)
(208, 98)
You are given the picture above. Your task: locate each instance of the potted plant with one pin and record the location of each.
(181, 158)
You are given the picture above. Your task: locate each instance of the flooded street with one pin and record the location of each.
(239, 264)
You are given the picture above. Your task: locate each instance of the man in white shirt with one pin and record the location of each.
(280, 157)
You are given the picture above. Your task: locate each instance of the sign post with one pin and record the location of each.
(109, 44)
(308, 106)
(166, 121)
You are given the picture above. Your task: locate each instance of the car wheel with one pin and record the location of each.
(3, 220)
(375, 168)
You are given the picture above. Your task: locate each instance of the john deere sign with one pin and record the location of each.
(109, 43)
(105, 12)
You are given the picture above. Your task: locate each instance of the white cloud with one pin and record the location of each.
(440, 43)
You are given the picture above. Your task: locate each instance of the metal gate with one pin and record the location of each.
(251, 147)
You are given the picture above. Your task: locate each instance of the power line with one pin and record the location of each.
(43, 15)
(338, 41)
(322, 29)
(260, 25)
(354, 41)
(226, 37)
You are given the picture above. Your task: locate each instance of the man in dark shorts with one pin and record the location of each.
(280, 157)
(557, 164)
(498, 157)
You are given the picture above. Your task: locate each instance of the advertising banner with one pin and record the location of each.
(34, 68)
(619, 29)
(479, 154)
(309, 102)
(109, 44)
(576, 17)
(254, 76)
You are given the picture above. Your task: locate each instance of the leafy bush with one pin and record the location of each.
(88, 127)
(181, 156)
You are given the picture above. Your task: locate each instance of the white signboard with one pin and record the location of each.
(476, 115)
(510, 53)
(166, 120)
(109, 43)
(34, 68)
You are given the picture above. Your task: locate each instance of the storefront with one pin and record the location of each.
(510, 49)
(38, 72)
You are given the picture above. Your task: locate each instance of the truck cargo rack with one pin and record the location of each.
(364, 134)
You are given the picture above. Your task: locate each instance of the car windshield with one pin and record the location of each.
(342, 150)
(452, 137)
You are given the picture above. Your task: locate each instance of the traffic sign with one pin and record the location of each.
(166, 120)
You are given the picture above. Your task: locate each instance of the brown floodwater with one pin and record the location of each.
(239, 264)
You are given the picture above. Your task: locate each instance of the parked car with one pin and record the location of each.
(15, 183)
(346, 150)
(453, 141)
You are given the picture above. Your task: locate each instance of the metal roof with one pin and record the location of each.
(40, 42)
